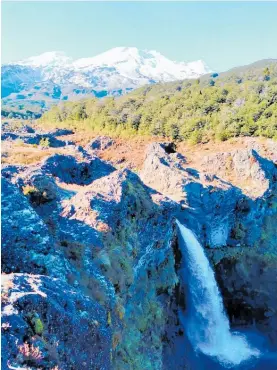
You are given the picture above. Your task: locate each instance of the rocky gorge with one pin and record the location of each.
(91, 253)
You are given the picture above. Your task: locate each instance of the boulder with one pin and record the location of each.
(99, 143)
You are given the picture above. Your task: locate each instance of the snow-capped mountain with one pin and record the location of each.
(54, 76)
(56, 59)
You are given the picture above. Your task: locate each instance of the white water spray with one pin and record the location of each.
(206, 323)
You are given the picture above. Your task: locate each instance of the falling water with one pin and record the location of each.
(206, 323)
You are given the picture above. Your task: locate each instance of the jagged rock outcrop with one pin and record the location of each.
(213, 206)
(246, 167)
(68, 170)
(99, 143)
(102, 241)
(112, 237)
(137, 258)
(207, 201)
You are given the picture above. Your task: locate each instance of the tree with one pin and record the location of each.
(266, 74)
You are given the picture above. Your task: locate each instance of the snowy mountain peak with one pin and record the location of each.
(54, 76)
(52, 58)
(134, 63)
(110, 57)
(128, 61)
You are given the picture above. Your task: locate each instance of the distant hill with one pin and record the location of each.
(240, 102)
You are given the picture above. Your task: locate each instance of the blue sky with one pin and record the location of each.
(223, 34)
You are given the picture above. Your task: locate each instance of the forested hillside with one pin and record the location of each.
(241, 102)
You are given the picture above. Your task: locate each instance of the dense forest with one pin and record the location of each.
(241, 102)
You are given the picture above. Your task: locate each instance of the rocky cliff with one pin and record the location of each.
(91, 259)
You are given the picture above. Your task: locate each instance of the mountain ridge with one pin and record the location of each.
(109, 57)
(53, 76)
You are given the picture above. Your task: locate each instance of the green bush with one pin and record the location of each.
(38, 326)
(44, 142)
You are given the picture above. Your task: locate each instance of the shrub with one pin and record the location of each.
(35, 195)
(38, 326)
(195, 137)
(44, 142)
(28, 190)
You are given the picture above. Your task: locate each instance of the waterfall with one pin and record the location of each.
(205, 320)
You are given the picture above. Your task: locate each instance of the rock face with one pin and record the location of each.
(49, 324)
(248, 282)
(246, 166)
(99, 234)
(238, 228)
(91, 258)
(204, 198)
(26, 242)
